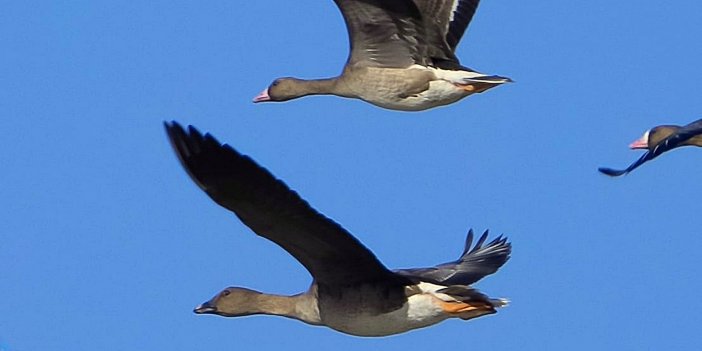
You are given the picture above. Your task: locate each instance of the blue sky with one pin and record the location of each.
(105, 243)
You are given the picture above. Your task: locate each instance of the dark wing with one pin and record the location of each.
(451, 17)
(675, 140)
(619, 172)
(473, 265)
(267, 206)
(384, 33)
(461, 19)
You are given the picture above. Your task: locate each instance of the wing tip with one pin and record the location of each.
(500, 246)
(611, 172)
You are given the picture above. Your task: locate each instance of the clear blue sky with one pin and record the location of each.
(106, 244)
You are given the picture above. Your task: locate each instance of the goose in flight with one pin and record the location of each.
(402, 57)
(352, 291)
(658, 140)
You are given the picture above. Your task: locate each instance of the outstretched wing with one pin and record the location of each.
(620, 172)
(473, 265)
(384, 33)
(267, 206)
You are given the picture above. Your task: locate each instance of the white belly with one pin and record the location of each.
(420, 311)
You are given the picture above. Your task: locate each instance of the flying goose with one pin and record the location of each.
(352, 291)
(402, 56)
(658, 140)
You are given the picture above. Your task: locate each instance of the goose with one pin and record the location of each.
(658, 140)
(352, 291)
(402, 57)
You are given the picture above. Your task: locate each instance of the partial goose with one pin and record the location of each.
(351, 292)
(658, 140)
(401, 57)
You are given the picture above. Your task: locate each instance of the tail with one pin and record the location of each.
(467, 303)
(473, 265)
(460, 75)
(493, 79)
(481, 83)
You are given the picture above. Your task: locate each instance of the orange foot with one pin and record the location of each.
(475, 88)
(467, 87)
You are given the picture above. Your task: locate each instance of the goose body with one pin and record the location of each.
(419, 310)
(424, 306)
(658, 140)
(352, 291)
(416, 88)
(402, 57)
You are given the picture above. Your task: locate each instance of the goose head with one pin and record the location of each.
(231, 302)
(652, 137)
(282, 89)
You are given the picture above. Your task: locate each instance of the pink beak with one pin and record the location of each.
(640, 143)
(263, 96)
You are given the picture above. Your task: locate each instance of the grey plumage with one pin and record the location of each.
(399, 33)
(401, 57)
(473, 265)
(383, 33)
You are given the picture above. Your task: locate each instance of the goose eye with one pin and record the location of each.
(226, 293)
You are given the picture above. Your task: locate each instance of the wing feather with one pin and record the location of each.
(267, 206)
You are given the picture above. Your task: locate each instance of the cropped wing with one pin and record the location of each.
(384, 33)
